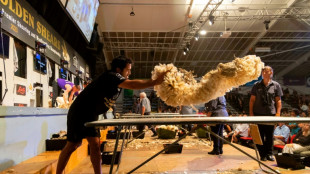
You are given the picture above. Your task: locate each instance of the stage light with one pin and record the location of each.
(184, 51)
(203, 32)
(221, 34)
(132, 13)
(196, 37)
(211, 20)
(266, 22)
(187, 46)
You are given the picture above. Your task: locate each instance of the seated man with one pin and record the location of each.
(242, 130)
(294, 126)
(281, 134)
(67, 86)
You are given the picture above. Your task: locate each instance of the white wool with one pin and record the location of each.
(180, 87)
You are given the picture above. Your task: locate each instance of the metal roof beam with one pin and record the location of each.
(296, 63)
(262, 34)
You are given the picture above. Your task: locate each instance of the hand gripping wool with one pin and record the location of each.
(181, 88)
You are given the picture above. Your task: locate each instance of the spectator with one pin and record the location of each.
(281, 134)
(301, 140)
(145, 109)
(285, 112)
(303, 114)
(304, 106)
(293, 126)
(228, 132)
(242, 130)
(185, 110)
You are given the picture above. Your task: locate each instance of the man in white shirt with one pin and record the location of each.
(242, 130)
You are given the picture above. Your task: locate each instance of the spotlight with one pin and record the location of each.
(132, 13)
(187, 46)
(211, 20)
(266, 22)
(203, 32)
(184, 51)
(196, 37)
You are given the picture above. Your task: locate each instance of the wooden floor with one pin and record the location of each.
(193, 159)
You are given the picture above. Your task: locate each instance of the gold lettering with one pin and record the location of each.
(43, 32)
(25, 15)
(31, 21)
(48, 36)
(11, 7)
(14, 28)
(58, 45)
(39, 27)
(4, 2)
(53, 40)
(19, 10)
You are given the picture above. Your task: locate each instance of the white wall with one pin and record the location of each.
(32, 77)
(23, 131)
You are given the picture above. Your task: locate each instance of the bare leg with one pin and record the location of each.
(66, 93)
(65, 155)
(95, 154)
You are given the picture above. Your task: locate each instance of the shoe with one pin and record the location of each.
(154, 135)
(263, 158)
(270, 158)
(214, 152)
(221, 152)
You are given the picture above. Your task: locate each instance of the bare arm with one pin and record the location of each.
(279, 137)
(136, 84)
(181, 109)
(71, 96)
(194, 108)
(66, 93)
(142, 110)
(209, 114)
(141, 84)
(278, 105)
(251, 104)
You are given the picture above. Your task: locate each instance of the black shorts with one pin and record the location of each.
(76, 130)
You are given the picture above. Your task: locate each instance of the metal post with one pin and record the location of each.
(214, 134)
(119, 129)
(158, 153)
(122, 148)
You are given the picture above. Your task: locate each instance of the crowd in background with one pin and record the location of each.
(285, 134)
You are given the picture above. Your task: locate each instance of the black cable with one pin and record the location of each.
(4, 70)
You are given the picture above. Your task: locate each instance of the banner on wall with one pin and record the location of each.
(23, 22)
(20, 89)
(294, 81)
